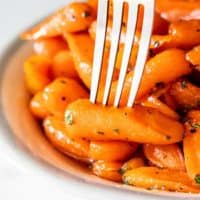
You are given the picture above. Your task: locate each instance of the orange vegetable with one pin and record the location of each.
(57, 134)
(165, 156)
(38, 107)
(63, 65)
(185, 94)
(193, 56)
(154, 102)
(176, 10)
(107, 170)
(191, 145)
(133, 163)
(73, 18)
(37, 73)
(97, 122)
(60, 93)
(111, 151)
(163, 68)
(162, 179)
(49, 47)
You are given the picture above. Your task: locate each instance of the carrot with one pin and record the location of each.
(163, 68)
(38, 74)
(93, 4)
(63, 65)
(176, 10)
(193, 56)
(154, 102)
(38, 107)
(83, 57)
(107, 170)
(133, 163)
(97, 122)
(49, 47)
(186, 95)
(60, 93)
(73, 18)
(185, 34)
(165, 156)
(191, 145)
(111, 151)
(57, 134)
(162, 179)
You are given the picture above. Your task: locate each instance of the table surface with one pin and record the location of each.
(15, 16)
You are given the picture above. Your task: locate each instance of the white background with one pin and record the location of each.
(15, 16)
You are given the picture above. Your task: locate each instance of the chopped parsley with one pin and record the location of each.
(116, 130)
(100, 132)
(197, 179)
(69, 118)
(195, 125)
(86, 14)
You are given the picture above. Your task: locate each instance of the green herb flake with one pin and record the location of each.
(87, 14)
(184, 84)
(69, 118)
(100, 132)
(121, 171)
(197, 179)
(126, 181)
(116, 130)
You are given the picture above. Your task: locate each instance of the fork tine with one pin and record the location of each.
(129, 40)
(143, 49)
(102, 19)
(116, 30)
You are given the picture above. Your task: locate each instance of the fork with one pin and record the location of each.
(102, 21)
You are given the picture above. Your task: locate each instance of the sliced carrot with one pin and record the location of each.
(111, 151)
(162, 179)
(165, 156)
(191, 145)
(193, 56)
(60, 93)
(97, 122)
(37, 73)
(49, 47)
(57, 134)
(63, 65)
(38, 107)
(107, 170)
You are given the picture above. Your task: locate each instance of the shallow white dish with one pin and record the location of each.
(22, 141)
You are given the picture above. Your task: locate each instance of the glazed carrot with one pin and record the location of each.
(191, 145)
(83, 57)
(38, 107)
(111, 151)
(163, 68)
(185, 33)
(93, 4)
(63, 65)
(37, 73)
(73, 18)
(56, 133)
(185, 94)
(165, 156)
(60, 93)
(154, 102)
(97, 122)
(193, 56)
(49, 47)
(133, 163)
(107, 170)
(162, 179)
(175, 10)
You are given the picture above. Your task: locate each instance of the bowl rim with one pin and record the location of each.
(22, 159)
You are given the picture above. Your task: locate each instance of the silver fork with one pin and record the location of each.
(102, 20)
